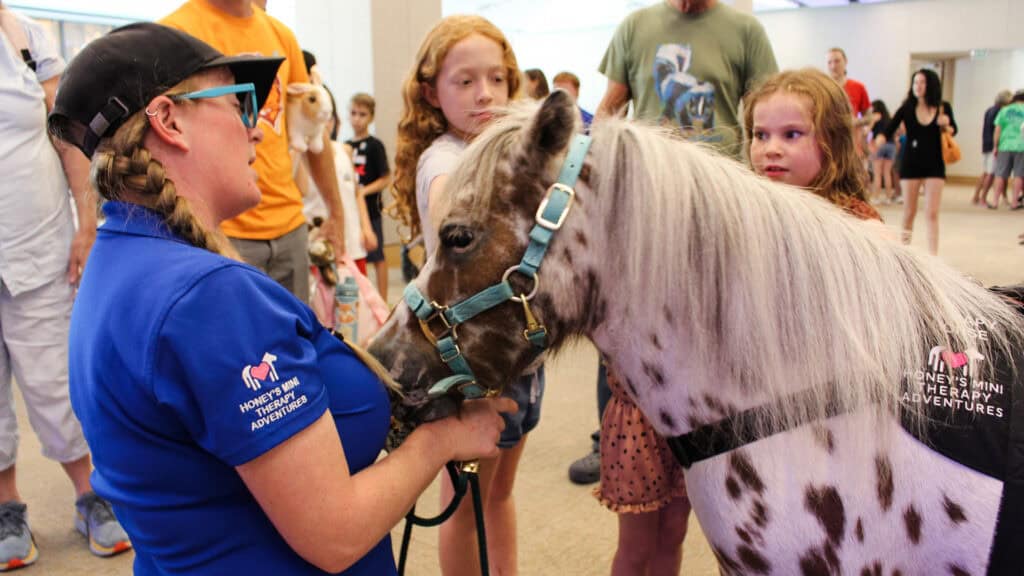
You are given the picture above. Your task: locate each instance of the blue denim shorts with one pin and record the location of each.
(527, 391)
(886, 151)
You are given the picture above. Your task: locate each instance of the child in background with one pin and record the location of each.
(536, 84)
(882, 155)
(642, 482)
(359, 234)
(465, 69)
(800, 133)
(371, 162)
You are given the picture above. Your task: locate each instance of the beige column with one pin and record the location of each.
(398, 28)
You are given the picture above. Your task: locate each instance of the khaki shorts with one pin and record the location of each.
(285, 259)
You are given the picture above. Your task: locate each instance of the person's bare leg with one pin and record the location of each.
(78, 471)
(381, 269)
(976, 198)
(878, 181)
(673, 520)
(500, 513)
(910, 192)
(986, 185)
(1018, 189)
(638, 541)
(1000, 193)
(456, 543)
(9, 485)
(897, 190)
(932, 199)
(887, 182)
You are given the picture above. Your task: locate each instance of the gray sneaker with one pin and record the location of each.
(586, 470)
(95, 520)
(17, 547)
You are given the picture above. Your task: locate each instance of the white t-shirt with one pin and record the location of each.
(313, 203)
(36, 224)
(437, 160)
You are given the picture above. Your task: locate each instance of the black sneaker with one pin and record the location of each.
(586, 470)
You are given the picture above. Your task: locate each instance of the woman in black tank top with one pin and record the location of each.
(924, 116)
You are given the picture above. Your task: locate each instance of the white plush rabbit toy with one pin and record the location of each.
(309, 109)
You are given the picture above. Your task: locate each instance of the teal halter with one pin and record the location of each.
(551, 214)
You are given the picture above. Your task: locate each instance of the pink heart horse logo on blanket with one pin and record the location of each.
(939, 358)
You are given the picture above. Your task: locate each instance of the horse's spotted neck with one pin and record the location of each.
(644, 339)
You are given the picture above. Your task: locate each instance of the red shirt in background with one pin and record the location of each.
(858, 96)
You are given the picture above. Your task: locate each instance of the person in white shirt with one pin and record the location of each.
(41, 260)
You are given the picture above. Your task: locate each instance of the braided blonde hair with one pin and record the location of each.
(124, 170)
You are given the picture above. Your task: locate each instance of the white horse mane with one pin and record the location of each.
(773, 285)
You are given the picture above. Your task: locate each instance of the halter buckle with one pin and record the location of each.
(544, 222)
(448, 327)
(535, 332)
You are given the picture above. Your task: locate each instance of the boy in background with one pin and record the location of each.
(371, 162)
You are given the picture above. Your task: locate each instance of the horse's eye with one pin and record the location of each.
(456, 237)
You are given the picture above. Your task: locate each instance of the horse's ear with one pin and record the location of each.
(553, 126)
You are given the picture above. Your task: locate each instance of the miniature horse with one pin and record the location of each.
(715, 292)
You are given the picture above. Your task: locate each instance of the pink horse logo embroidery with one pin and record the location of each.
(254, 375)
(939, 358)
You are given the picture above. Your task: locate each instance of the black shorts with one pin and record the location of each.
(527, 391)
(377, 254)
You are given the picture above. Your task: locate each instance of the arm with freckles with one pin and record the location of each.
(331, 517)
(321, 167)
(370, 240)
(76, 170)
(614, 101)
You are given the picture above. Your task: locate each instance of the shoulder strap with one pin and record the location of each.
(11, 28)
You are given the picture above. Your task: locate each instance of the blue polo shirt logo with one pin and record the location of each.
(274, 403)
(253, 376)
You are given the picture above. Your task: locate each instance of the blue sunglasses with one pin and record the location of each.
(249, 109)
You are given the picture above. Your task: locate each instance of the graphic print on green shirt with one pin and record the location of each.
(690, 70)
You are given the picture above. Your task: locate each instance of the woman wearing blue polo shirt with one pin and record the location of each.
(212, 399)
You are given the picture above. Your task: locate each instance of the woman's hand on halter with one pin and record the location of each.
(474, 432)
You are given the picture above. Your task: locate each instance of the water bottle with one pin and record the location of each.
(346, 313)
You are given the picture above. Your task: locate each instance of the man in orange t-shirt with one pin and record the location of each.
(272, 236)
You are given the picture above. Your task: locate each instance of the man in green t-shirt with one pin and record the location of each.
(1009, 149)
(687, 63)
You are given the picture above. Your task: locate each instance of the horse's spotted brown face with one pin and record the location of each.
(474, 249)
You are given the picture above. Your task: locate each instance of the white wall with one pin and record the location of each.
(557, 35)
(879, 39)
(340, 35)
(978, 80)
(366, 46)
